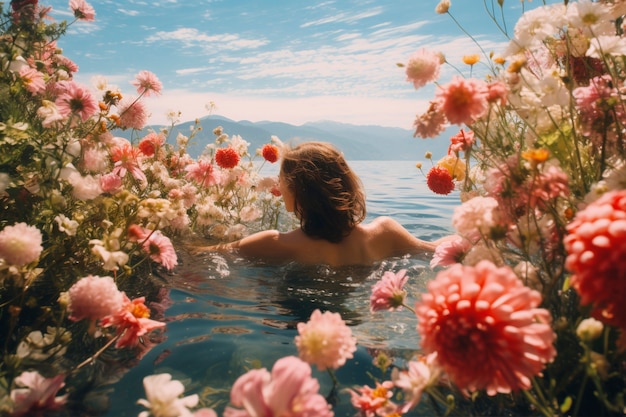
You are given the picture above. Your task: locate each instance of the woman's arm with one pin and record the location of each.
(266, 245)
(401, 241)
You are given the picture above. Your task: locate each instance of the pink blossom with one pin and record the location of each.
(49, 113)
(93, 298)
(133, 113)
(203, 173)
(388, 293)
(20, 244)
(33, 80)
(423, 67)
(547, 186)
(430, 124)
(418, 376)
(372, 402)
(36, 393)
(498, 92)
(147, 83)
(487, 314)
(289, 390)
(131, 322)
(110, 183)
(462, 141)
(75, 99)
(462, 100)
(155, 244)
(82, 10)
(450, 252)
(126, 158)
(325, 340)
(65, 63)
(151, 143)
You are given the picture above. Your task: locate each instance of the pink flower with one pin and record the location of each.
(372, 402)
(33, 80)
(20, 244)
(131, 322)
(423, 67)
(133, 113)
(450, 252)
(439, 180)
(288, 391)
(155, 244)
(596, 256)
(547, 186)
(151, 143)
(203, 173)
(325, 340)
(227, 158)
(498, 92)
(93, 298)
(75, 99)
(36, 393)
(126, 158)
(110, 183)
(388, 293)
(419, 375)
(431, 123)
(82, 10)
(463, 100)
(146, 83)
(462, 141)
(485, 326)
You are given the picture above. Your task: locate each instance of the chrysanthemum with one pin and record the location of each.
(147, 83)
(463, 100)
(487, 315)
(270, 152)
(439, 180)
(325, 340)
(423, 67)
(596, 256)
(226, 158)
(455, 166)
(388, 293)
(133, 113)
(75, 99)
(155, 244)
(82, 10)
(93, 298)
(20, 244)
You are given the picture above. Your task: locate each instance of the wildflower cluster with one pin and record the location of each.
(86, 214)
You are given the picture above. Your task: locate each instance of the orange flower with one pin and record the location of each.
(471, 59)
(270, 152)
(227, 157)
(536, 156)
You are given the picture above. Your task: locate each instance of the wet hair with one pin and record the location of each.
(329, 197)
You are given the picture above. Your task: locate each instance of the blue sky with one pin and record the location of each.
(281, 60)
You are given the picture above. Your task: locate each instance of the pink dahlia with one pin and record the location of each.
(93, 298)
(463, 100)
(289, 390)
(226, 157)
(325, 340)
(439, 180)
(270, 152)
(596, 256)
(389, 293)
(20, 244)
(34, 394)
(423, 67)
(487, 315)
(126, 159)
(147, 83)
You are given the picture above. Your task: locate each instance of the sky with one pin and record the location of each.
(291, 61)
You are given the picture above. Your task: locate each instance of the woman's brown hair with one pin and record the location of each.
(329, 197)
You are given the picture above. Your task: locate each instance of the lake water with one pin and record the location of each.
(228, 315)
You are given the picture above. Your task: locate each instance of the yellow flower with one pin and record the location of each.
(443, 7)
(454, 165)
(470, 59)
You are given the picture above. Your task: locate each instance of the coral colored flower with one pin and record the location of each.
(226, 157)
(372, 402)
(82, 10)
(289, 390)
(93, 298)
(487, 315)
(147, 83)
(450, 252)
(155, 244)
(596, 256)
(463, 101)
(126, 159)
(133, 113)
(110, 183)
(35, 394)
(163, 397)
(20, 244)
(150, 143)
(131, 322)
(270, 152)
(75, 99)
(423, 67)
(33, 80)
(203, 173)
(419, 375)
(325, 340)
(431, 123)
(389, 293)
(462, 141)
(439, 180)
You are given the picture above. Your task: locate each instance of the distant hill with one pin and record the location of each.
(356, 142)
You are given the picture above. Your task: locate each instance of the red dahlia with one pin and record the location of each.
(439, 180)
(270, 152)
(227, 157)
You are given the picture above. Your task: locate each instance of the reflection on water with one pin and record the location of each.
(229, 315)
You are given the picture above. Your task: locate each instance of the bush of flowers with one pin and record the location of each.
(88, 218)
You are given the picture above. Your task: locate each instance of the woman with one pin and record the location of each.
(319, 187)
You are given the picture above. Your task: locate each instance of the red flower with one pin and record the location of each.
(227, 157)
(270, 152)
(439, 180)
(596, 247)
(131, 322)
(150, 143)
(485, 326)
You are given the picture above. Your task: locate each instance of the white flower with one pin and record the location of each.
(163, 397)
(4, 181)
(20, 244)
(250, 214)
(607, 45)
(240, 145)
(66, 225)
(589, 329)
(478, 214)
(593, 18)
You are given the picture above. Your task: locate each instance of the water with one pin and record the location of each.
(228, 315)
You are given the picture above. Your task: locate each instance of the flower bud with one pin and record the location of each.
(589, 329)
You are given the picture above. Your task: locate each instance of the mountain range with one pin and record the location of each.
(356, 142)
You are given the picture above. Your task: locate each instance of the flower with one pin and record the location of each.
(33, 80)
(589, 329)
(151, 143)
(595, 256)
(289, 390)
(94, 297)
(450, 252)
(35, 393)
(388, 293)
(155, 244)
(439, 180)
(463, 100)
(203, 173)
(325, 340)
(423, 67)
(454, 165)
(75, 99)
(20, 244)
(418, 376)
(487, 314)
(82, 10)
(226, 158)
(478, 214)
(133, 113)
(374, 402)
(462, 141)
(270, 152)
(147, 83)
(164, 397)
